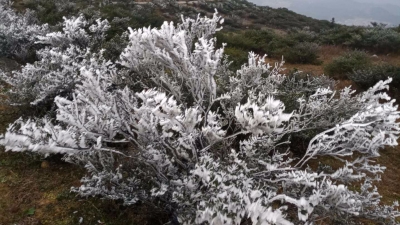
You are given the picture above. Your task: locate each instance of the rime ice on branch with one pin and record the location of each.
(58, 68)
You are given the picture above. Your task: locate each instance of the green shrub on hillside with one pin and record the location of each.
(341, 66)
(296, 47)
(367, 77)
(302, 35)
(52, 11)
(380, 39)
(341, 35)
(237, 56)
(138, 17)
(304, 53)
(251, 40)
(377, 39)
(115, 46)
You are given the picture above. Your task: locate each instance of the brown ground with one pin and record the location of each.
(37, 191)
(34, 191)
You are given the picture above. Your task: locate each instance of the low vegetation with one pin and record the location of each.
(366, 77)
(343, 65)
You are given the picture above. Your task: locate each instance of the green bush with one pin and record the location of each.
(367, 77)
(341, 66)
(251, 40)
(145, 17)
(237, 56)
(296, 47)
(236, 40)
(115, 46)
(276, 48)
(51, 11)
(304, 53)
(378, 39)
(302, 35)
(341, 35)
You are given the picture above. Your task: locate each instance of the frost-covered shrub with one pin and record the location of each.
(177, 128)
(18, 32)
(76, 31)
(58, 68)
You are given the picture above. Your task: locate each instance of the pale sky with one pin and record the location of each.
(358, 12)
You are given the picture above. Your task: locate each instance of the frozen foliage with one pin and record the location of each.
(75, 33)
(18, 32)
(165, 58)
(177, 128)
(58, 68)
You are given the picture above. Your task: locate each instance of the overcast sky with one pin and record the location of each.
(352, 12)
